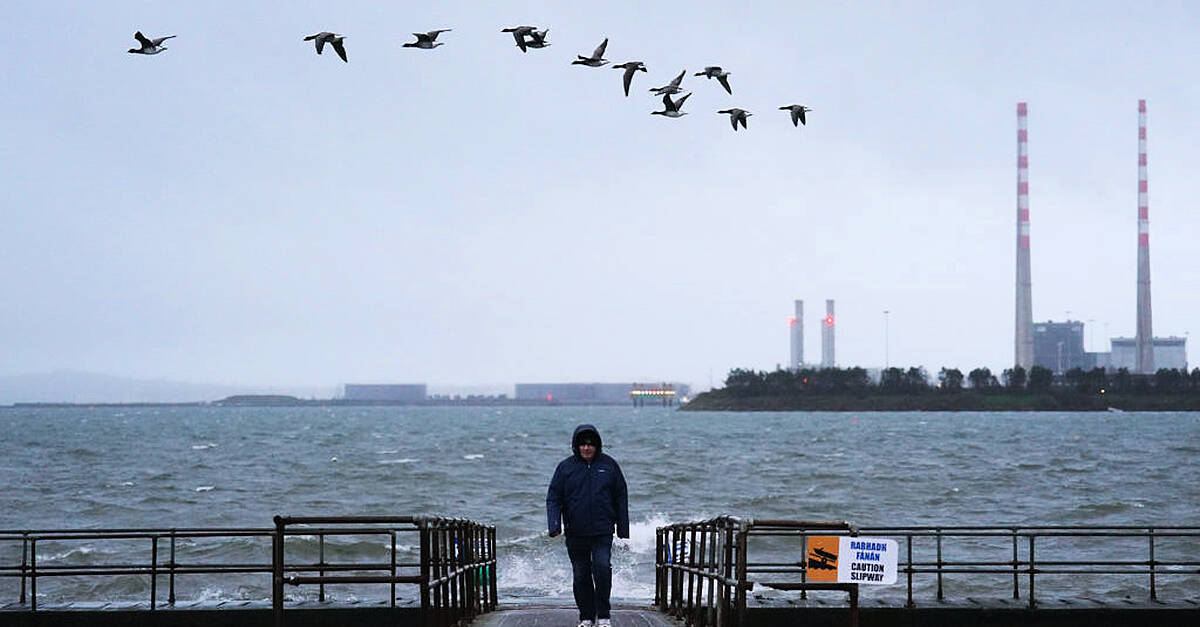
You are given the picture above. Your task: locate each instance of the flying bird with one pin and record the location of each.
(149, 46)
(333, 39)
(630, 67)
(537, 39)
(715, 71)
(519, 33)
(737, 115)
(428, 40)
(671, 109)
(597, 59)
(797, 113)
(670, 88)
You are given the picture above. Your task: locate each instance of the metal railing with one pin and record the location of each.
(455, 572)
(703, 569)
(457, 575)
(1130, 552)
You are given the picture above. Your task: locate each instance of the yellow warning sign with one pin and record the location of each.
(822, 558)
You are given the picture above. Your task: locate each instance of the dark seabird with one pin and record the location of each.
(519, 33)
(596, 60)
(333, 39)
(797, 113)
(715, 71)
(737, 115)
(537, 39)
(671, 109)
(428, 40)
(149, 46)
(630, 67)
(670, 88)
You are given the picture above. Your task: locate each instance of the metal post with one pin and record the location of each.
(492, 567)
(939, 564)
(477, 550)
(743, 531)
(321, 566)
(725, 570)
(803, 564)
(1153, 589)
(423, 527)
(713, 572)
(701, 603)
(457, 596)
(171, 579)
(659, 565)
(153, 570)
(277, 572)
(854, 605)
(691, 576)
(1015, 567)
(435, 565)
(393, 568)
(24, 564)
(908, 568)
(33, 574)
(445, 556)
(1032, 568)
(468, 575)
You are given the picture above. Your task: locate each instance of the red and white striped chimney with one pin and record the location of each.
(1023, 353)
(1144, 339)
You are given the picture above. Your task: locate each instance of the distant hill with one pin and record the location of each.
(89, 387)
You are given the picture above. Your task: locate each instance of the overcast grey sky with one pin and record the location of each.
(240, 210)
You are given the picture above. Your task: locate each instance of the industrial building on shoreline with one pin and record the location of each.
(635, 393)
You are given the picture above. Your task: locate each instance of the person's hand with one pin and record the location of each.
(554, 534)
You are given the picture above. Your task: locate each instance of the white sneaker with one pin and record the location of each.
(585, 623)
(603, 622)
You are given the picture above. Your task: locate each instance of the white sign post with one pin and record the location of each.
(867, 560)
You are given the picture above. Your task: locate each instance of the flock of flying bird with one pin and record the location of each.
(530, 37)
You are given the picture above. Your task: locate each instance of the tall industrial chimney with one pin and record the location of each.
(797, 331)
(1023, 355)
(827, 358)
(1144, 339)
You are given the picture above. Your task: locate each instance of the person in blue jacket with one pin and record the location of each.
(588, 496)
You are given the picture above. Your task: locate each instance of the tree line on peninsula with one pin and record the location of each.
(979, 389)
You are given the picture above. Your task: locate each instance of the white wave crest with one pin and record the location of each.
(201, 447)
(642, 535)
(402, 460)
(79, 550)
(473, 456)
(205, 488)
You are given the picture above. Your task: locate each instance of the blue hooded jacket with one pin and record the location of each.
(588, 498)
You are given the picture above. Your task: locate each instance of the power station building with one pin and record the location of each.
(386, 392)
(1169, 353)
(599, 393)
(1058, 346)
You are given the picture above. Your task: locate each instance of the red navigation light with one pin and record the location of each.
(829, 320)
(792, 320)
(549, 398)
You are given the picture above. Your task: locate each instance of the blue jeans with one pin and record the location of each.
(591, 562)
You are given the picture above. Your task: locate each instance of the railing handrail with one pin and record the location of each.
(681, 577)
(451, 549)
(456, 564)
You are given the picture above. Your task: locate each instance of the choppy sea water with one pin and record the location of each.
(222, 467)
